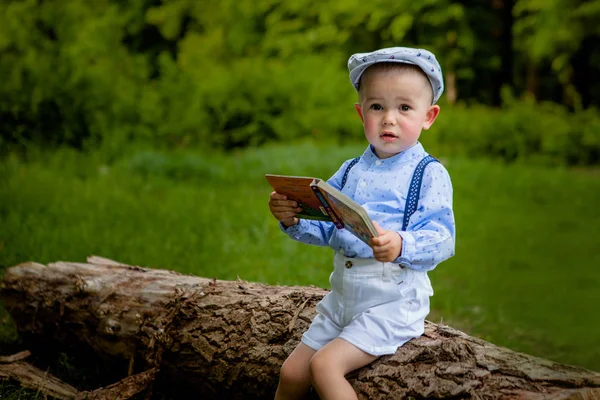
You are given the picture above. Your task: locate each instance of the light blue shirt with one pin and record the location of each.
(380, 186)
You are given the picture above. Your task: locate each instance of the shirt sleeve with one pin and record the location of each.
(430, 235)
(310, 232)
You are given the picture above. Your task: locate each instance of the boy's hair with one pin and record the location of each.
(400, 67)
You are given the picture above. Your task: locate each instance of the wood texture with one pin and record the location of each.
(228, 339)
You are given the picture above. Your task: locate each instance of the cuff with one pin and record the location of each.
(291, 230)
(408, 248)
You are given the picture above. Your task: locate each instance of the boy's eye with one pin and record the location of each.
(376, 107)
(404, 107)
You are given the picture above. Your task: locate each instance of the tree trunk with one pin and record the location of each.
(503, 37)
(532, 80)
(451, 91)
(228, 339)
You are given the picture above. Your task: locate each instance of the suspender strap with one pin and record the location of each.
(414, 191)
(348, 168)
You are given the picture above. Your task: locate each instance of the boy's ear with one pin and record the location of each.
(359, 111)
(431, 115)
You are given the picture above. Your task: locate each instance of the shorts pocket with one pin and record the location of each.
(403, 278)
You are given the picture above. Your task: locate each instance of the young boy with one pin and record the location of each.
(379, 293)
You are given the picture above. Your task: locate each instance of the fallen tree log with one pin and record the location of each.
(13, 367)
(228, 339)
(29, 376)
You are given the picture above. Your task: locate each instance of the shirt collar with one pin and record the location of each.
(416, 151)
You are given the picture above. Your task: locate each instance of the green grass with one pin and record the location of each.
(526, 272)
(11, 391)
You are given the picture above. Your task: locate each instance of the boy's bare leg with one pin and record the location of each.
(294, 377)
(329, 366)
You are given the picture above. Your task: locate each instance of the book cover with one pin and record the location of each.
(299, 188)
(321, 201)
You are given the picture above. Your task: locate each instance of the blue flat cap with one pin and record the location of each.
(424, 59)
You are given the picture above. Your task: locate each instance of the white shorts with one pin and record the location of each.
(375, 306)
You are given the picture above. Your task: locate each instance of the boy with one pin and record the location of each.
(379, 293)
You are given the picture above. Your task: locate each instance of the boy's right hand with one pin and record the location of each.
(283, 209)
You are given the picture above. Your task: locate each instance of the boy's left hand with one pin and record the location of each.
(387, 246)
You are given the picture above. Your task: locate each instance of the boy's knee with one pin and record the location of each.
(292, 374)
(320, 365)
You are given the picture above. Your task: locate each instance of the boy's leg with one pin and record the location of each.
(331, 363)
(294, 378)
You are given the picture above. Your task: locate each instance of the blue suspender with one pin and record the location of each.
(414, 190)
(345, 178)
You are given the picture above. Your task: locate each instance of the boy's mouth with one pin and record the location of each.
(388, 136)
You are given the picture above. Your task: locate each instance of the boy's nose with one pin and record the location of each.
(388, 119)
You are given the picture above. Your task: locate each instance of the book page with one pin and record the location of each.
(299, 188)
(354, 217)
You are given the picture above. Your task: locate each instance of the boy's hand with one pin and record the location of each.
(283, 209)
(387, 246)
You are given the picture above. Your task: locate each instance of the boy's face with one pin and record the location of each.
(395, 105)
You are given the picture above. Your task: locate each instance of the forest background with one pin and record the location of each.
(141, 131)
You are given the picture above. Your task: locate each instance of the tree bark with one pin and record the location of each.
(228, 339)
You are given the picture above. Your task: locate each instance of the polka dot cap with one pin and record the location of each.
(424, 59)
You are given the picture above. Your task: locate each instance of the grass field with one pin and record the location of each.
(526, 274)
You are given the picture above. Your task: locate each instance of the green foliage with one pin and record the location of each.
(70, 78)
(230, 74)
(553, 32)
(545, 134)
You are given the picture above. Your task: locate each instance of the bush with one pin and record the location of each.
(108, 74)
(521, 131)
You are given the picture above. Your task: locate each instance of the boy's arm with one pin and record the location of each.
(301, 230)
(308, 231)
(429, 237)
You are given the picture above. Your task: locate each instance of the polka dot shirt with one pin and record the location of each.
(380, 186)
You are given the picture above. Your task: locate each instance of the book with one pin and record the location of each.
(322, 202)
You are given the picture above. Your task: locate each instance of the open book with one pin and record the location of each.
(321, 201)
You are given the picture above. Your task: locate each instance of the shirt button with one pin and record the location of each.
(378, 162)
(348, 264)
(363, 184)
